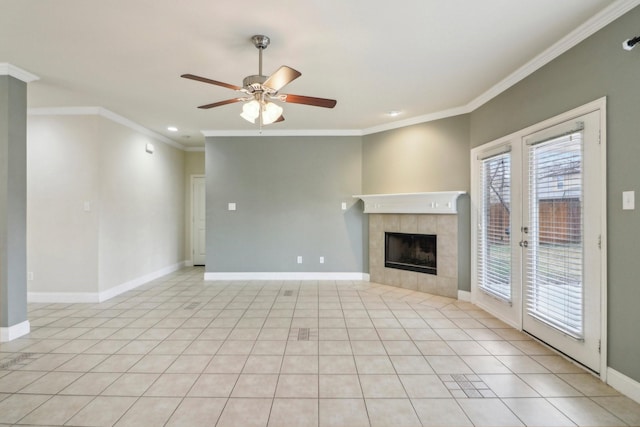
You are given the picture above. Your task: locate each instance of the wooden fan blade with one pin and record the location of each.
(280, 119)
(220, 103)
(282, 77)
(213, 82)
(309, 100)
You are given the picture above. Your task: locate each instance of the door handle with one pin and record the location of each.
(524, 244)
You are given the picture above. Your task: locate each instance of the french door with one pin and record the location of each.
(538, 227)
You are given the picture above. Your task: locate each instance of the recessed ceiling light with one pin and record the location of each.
(394, 113)
(172, 129)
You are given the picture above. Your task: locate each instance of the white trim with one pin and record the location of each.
(16, 331)
(440, 202)
(97, 297)
(284, 276)
(294, 132)
(464, 296)
(107, 114)
(132, 284)
(625, 385)
(7, 69)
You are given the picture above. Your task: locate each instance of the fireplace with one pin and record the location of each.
(412, 252)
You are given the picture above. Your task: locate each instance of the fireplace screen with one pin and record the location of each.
(413, 252)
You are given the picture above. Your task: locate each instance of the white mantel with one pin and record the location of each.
(440, 202)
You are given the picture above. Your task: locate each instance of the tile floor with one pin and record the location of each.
(184, 352)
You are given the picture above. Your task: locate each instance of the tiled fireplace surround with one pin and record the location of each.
(449, 221)
(445, 283)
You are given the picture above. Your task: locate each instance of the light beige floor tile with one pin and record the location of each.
(191, 363)
(467, 348)
(170, 347)
(225, 364)
(16, 380)
(335, 348)
(489, 412)
(57, 410)
(118, 363)
(398, 347)
(149, 411)
(299, 365)
(47, 362)
(82, 363)
(508, 385)
(51, 383)
(301, 348)
(197, 411)
(130, 385)
(343, 413)
(214, 385)
(522, 365)
(156, 363)
(501, 348)
(258, 364)
(172, 385)
(300, 386)
(374, 365)
(206, 347)
(244, 334)
(622, 407)
(294, 413)
(588, 384)
(245, 412)
(440, 413)
(485, 365)
(110, 346)
(585, 412)
(411, 365)
(362, 333)
(424, 386)
(255, 385)
(340, 386)
(91, 384)
(448, 365)
(392, 413)
(102, 411)
(337, 365)
(434, 348)
(549, 385)
(368, 348)
(557, 364)
(382, 386)
(139, 347)
(15, 407)
(537, 412)
(269, 347)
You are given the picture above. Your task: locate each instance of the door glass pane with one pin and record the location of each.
(494, 251)
(555, 251)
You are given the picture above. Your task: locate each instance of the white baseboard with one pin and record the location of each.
(285, 276)
(96, 297)
(15, 331)
(625, 385)
(464, 296)
(132, 284)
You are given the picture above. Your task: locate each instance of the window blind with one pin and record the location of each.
(554, 256)
(494, 242)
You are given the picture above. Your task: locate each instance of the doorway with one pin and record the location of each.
(539, 224)
(198, 219)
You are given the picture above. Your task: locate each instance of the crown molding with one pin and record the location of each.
(300, 132)
(107, 114)
(7, 69)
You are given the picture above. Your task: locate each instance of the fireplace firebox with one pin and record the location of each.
(412, 252)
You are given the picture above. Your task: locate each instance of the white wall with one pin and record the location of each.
(135, 226)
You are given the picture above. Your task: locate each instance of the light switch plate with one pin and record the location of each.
(628, 200)
(344, 206)
(232, 206)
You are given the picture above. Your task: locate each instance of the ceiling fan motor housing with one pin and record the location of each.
(260, 41)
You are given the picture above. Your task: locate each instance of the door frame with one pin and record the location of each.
(191, 215)
(516, 138)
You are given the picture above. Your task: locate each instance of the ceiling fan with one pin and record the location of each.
(259, 91)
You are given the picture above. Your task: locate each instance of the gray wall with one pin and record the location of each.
(595, 68)
(13, 201)
(430, 156)
(288, 192)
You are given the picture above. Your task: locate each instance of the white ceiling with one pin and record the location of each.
(422, 57)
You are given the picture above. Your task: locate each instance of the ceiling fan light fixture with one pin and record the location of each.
(270, 113)
(251, 111)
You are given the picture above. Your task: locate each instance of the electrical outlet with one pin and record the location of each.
(299, 260)
(321, 260)
(30, 275)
